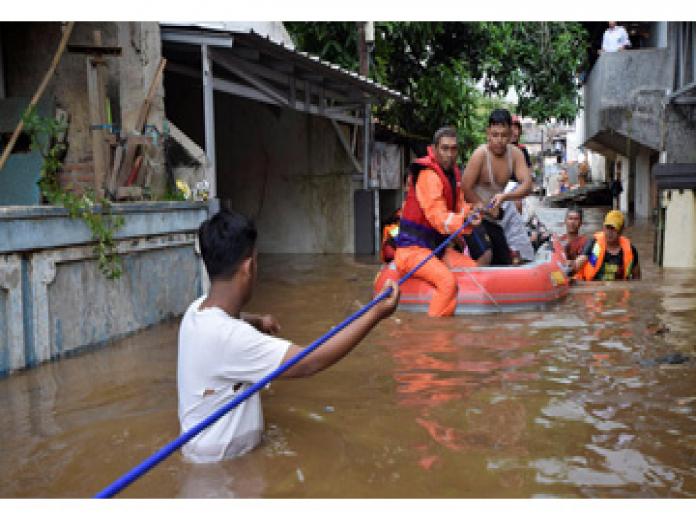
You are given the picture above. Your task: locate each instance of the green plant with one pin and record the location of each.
(94, 210)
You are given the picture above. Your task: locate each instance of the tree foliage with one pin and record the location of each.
(450, 70)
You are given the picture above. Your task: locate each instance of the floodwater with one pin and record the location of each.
(568, 402)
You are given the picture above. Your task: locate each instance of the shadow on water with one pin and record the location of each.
(555, 403)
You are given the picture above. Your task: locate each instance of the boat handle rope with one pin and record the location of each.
(146, 465)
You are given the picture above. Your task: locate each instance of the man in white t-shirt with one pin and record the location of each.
(615, 39)
(223, 351)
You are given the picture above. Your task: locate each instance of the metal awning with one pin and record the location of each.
(253, 66)
(671, 176)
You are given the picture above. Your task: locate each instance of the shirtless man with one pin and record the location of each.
(490, 168)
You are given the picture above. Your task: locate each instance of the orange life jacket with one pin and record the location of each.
(596, 258)
(414, 228)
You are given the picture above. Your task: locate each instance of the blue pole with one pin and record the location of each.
(157, 457)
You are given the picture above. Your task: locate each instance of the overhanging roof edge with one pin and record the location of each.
(198, 35)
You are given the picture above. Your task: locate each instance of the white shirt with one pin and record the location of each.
(220, 356)
(615, 38)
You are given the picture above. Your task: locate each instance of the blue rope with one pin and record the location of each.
(167, 450)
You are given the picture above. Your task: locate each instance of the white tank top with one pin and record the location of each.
(486, 192)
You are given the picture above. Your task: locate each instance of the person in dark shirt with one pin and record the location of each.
(608, 255)
(516, 135)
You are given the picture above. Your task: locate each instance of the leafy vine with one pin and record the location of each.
(94, 210)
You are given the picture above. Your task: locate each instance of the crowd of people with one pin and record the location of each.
(490, 189)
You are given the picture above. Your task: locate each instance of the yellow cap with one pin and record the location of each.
(614, 219)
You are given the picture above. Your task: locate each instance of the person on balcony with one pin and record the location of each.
(615, 39)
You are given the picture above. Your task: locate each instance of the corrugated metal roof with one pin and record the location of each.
(282, 50)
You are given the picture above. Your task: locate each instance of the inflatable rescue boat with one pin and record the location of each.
(492, 289)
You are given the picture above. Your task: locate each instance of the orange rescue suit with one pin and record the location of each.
(431, 212)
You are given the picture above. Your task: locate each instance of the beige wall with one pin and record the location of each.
(680, 229)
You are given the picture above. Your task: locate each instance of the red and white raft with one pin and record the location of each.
(492, 289)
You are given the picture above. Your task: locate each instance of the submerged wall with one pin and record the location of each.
(53, 298)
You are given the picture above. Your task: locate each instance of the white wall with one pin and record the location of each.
(680, 230)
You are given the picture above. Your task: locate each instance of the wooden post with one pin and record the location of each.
(96, 90)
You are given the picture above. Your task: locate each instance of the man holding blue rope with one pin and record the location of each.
(434, 208)
(223, 351)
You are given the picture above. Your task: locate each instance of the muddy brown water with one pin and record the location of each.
(565, 402)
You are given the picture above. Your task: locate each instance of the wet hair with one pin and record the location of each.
(445, 131)
(226, 239)
(575, 209)
(500, 116)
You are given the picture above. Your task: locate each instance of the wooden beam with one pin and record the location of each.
(191, 148)
(346, 146)
(95, 50)
(39, 92)
(96, 92)
(131, 150)
(236, 66)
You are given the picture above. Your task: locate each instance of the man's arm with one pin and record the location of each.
(344, 341)
(470, 178)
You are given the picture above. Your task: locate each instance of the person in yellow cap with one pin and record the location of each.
(608, 255)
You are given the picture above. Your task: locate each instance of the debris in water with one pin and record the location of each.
(676, 358)
(657, 328)
(300, 475)
(315, 416)
(329, 409)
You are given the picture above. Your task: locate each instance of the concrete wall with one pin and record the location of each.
(623, 94)
(680, 229)
(53, 298)
(285, 169)
(642, 187)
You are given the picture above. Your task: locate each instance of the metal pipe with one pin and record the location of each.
(209, 121)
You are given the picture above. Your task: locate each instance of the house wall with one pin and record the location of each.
(285, 169)
(29, 48)
(680, 229)
(55, 301)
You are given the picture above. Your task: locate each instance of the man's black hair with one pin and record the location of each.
(500, 116)
(445, 131)
(226, 239)
(575, 209)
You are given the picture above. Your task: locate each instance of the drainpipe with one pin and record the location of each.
(209, 123)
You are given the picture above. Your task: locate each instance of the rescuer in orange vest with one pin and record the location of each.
(434, 208)
(608, 255)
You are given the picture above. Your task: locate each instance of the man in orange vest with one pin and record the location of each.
(609, 255)
(434, 208)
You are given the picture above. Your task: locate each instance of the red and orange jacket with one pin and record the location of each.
(432, 209)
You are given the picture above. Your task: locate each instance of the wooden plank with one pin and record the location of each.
(96, 50)
(96, 92)
(39, 92)
(131, 150)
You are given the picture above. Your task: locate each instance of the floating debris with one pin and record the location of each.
(300, 475)
(675, 358)
(329, 409)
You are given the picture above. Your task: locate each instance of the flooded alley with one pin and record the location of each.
(589, 398)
